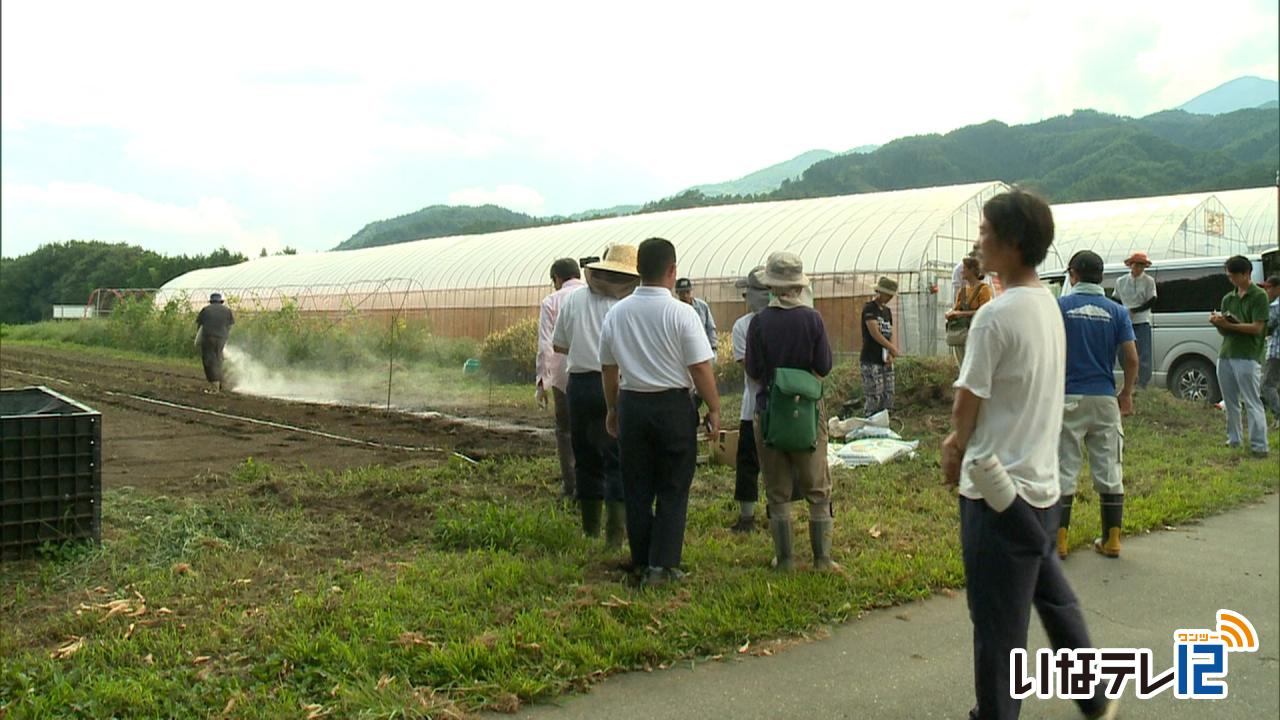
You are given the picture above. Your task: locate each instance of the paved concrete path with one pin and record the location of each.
(914, 661)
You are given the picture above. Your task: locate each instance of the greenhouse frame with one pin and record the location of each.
(474, 285)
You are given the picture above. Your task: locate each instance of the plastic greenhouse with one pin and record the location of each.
(474, 285)
(1169, 227)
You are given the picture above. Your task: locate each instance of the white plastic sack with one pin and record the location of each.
(875, 451)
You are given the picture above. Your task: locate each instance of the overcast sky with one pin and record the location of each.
(185, 126)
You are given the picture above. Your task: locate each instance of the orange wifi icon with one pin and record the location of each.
(1237, 632)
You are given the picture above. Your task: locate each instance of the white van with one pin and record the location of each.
(1184, 346)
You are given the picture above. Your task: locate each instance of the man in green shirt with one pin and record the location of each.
(1241, 323)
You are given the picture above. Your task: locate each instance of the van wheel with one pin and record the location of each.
(1195, 379)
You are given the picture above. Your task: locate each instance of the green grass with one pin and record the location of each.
(381, 593)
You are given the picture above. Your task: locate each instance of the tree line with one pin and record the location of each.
(66, 273)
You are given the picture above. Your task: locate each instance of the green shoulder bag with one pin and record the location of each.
(790, 424)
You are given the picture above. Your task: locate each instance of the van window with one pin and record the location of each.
(1190, 289)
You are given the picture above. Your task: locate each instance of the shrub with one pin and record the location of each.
(729, 375)
(510, 355)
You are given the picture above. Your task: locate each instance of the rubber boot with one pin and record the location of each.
(591, 516)
(615, 524)
(1112, 521)
(780, 529)
(820, 531)
(1064, 522)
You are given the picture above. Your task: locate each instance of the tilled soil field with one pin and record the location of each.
(155, 435)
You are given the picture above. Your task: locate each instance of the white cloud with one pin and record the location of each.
(513, 197)
(35, 215)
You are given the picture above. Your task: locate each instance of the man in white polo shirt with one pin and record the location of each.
(658, 345)
(577, 334)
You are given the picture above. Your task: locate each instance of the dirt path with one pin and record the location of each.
(148, 444)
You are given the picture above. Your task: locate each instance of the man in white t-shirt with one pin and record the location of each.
(657, 345)
(1137, 292)
(1008, 407)
(577, 335)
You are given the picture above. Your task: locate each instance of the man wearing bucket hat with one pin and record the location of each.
(1137, 292)
(878, 349)
(787, 343)
(213, 326)
(577, 335)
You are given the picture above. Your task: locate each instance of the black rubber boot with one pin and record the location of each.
(1112, 521)
(1064, 522)
(591, 516)
(615, 524)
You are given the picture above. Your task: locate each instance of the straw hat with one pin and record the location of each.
(618, 258)
(784, 269)
(887, 286)
(1138, 258)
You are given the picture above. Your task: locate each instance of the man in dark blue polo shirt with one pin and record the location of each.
(1096, 328)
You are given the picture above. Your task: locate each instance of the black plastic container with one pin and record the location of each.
(50, 471)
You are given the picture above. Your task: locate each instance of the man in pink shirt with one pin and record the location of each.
(552, 373)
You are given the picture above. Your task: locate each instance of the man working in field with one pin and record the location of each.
(213, 326)
(658, 347)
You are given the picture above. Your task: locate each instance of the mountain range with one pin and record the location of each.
(1226, 138)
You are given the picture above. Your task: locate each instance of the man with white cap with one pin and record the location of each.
(652, 352)
(787, 343)
(577, 335)
(1137, 292)
(878, 349)
(213, 327)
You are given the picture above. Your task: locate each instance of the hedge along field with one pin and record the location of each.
(440, 591)
(284, 337)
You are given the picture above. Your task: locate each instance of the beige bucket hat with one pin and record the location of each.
(784, 269)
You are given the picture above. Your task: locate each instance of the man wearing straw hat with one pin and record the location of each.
(213, 326)
(551, 372)
(577, 335)
(878, 349)
(746, 489)
(790, 335)
(653, 351)
(1137, 292)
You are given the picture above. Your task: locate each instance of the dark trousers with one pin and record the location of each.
(595, 452)
(564, 443)
(211, 357)
(746, 486)
(659, 448)
(1009, 565)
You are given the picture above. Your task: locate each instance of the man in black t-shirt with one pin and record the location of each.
(213, 326)
(878, 349)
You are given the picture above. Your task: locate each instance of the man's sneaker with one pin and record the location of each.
(744, 524)
(1260, 454)
(657, 577)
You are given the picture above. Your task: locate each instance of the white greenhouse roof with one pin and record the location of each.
(1164, 227)
(899, 231)
(1256, 214)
